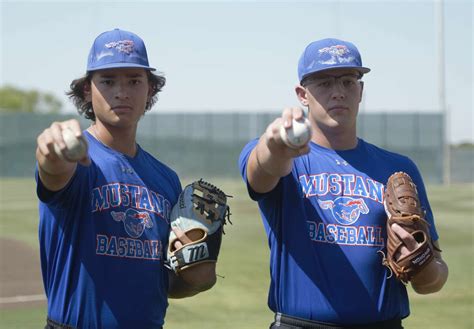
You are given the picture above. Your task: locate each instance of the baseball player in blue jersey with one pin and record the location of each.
(322, 206)
(104, 218)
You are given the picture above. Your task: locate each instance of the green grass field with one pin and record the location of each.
(239, 298)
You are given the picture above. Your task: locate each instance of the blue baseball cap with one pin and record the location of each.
(327, 54)
(118, 49)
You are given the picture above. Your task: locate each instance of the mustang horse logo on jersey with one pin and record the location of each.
(345, 210)
(134, 221)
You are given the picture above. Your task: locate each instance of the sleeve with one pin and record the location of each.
(178, 189)
(243, 160)
(420, 186)
(60, 199)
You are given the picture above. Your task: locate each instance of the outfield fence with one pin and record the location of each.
(208, 144)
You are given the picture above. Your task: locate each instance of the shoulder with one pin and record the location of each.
(248, 148)
(398, 158)
(244, 155)
(381, 163)
(165, 171)
(158, 163)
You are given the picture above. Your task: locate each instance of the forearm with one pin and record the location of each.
(191, 281)
(433, 277)
(54, 173)
(265, 167)
(178, 288)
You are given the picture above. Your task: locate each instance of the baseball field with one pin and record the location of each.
(239, 298)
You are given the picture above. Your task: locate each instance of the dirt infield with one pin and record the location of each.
(20, 276)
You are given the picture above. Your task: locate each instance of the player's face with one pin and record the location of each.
(119, 96)
(333, 98)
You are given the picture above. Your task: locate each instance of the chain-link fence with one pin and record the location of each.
(209, 144)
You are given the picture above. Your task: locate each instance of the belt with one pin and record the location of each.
(50, 324)
(309, 324)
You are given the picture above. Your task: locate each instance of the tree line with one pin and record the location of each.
(13, 100)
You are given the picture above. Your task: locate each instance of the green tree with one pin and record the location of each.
(14, 99)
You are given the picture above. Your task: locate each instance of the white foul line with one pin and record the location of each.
(22, 299)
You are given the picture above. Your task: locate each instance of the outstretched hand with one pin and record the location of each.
(54, 167)
(273, 136)
(52, 136)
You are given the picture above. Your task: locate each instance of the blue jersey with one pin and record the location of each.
(103, 239)
(325, 223)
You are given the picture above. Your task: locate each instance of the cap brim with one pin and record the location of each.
(361, 69)
(120, 66)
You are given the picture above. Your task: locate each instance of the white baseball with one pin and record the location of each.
(298, 135)
(76, 148)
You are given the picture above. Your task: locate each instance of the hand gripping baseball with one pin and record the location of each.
(298, 135)
(76, 147)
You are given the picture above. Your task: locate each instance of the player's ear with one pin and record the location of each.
(150, 91)
(361, 90)
(86, 89)
(302, 94)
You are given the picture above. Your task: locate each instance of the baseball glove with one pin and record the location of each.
(403, 207)
(201, 212)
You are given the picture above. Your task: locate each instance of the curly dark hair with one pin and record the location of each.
(76, 94)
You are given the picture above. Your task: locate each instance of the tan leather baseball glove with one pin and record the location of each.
(403, 207)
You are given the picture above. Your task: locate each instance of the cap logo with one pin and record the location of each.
(337, 54)
(123, 46)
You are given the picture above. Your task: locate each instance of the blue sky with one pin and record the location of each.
(242, 55)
